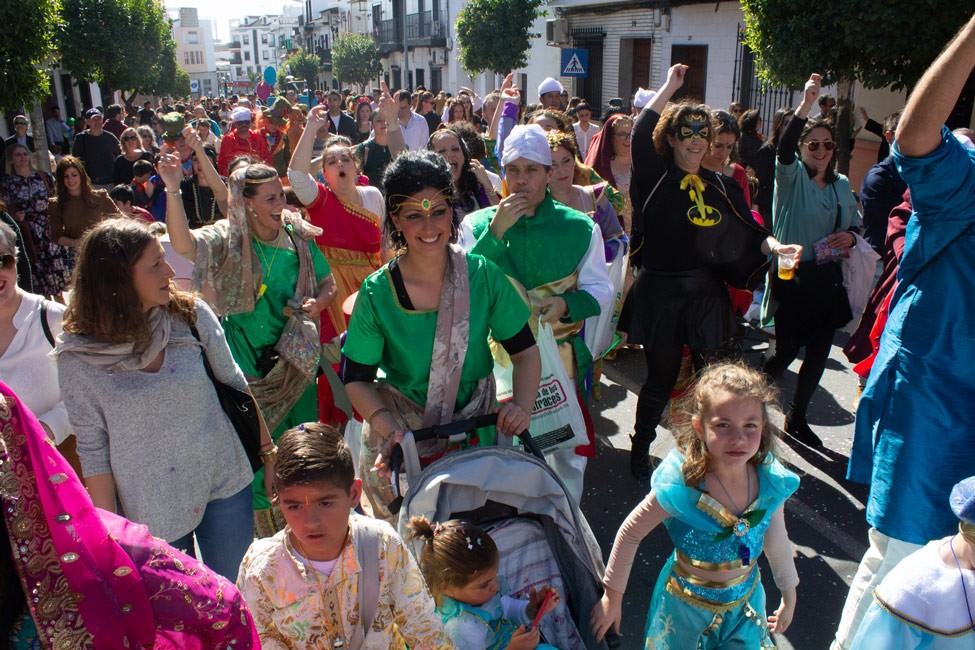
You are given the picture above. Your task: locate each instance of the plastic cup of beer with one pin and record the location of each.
(787, 265)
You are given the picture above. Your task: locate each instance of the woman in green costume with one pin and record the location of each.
(262, 272)
(425, 320)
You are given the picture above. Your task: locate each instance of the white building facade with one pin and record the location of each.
(195, 51)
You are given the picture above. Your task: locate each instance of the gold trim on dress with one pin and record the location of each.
(710, 584)
(676, 589)
(713, 507)
(711, 566)
(918, 625)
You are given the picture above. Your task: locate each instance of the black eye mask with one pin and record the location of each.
(693, 126)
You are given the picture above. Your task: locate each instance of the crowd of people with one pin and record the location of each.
(219, 321)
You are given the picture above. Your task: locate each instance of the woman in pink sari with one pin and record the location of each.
(95, 580)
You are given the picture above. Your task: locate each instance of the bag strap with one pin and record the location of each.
(206, 361)
(836, 226)
(45, 326)
(367, 553)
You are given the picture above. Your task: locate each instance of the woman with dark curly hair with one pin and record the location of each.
(692, 233)
(472, 187)
(424, 319)
(813, 206)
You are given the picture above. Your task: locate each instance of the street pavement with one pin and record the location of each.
(825, 517)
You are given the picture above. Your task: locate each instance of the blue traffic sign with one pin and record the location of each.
(575, 62)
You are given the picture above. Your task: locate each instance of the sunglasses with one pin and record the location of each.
(8, 261)
(813, 145)
(20, 123)
(131, 137)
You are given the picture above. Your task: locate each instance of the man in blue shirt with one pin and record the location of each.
(914, 433)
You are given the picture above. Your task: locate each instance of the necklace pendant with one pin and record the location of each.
(260, 293)
(337, 642)
(741, 527)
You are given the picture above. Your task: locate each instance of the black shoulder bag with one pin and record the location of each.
(241, 410)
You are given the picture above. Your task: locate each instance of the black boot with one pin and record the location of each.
(640, 465)
(797, 427)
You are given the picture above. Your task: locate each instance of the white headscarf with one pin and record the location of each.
(527, 141)
(549, 85)
(642, 97)
(240, 114)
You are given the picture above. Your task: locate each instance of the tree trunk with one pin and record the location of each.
(844, 121)
(40, 137)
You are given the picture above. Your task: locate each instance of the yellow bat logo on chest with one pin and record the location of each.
(711, 216)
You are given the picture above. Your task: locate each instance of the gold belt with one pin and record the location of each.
(710, 566)
(710, 584)
(675, 588)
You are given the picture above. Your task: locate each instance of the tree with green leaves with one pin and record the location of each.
(27, 47)
(355, 59)
(123, 44)
(305, 66)
(878, 43)
(496, 35)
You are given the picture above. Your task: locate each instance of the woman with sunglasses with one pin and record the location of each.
(131, 151)
(693, 233)
(28, 325)
(814, 207)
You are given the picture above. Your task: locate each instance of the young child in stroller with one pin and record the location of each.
(459, 562)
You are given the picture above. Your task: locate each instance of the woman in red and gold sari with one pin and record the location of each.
(349, 216)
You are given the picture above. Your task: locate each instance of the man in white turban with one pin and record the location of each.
(242, 140)
(557, 254)
(550, 94)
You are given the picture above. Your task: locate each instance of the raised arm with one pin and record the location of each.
(171, 171)
(919, 130)
(496, 119)
(788, 144)
(299, 168)
(647, 163)
(388, 107)
(213, 179)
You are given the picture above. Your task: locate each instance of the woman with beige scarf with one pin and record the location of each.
(268, 281)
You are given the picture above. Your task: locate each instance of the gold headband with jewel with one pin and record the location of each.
(261, 181)
(425, 205)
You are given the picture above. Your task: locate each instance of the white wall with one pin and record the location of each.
(631, 23)
(714, 25)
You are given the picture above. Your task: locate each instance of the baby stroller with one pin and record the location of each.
(541, 535)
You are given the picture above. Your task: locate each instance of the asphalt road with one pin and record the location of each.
(825, 517)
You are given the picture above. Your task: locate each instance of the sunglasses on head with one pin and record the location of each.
(813, 145)
(8, 261)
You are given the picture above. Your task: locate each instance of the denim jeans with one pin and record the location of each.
(224, 534)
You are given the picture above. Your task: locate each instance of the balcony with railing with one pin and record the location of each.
(235, 59)
(424, 29)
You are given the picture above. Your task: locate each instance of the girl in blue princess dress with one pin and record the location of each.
(459, 561)
(720, 495)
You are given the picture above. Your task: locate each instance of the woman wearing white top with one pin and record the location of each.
(24, 346)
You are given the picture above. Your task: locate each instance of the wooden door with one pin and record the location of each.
(695, 83)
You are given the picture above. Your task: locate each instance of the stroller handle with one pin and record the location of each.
(446, 432)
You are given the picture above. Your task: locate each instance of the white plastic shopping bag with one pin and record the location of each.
(557, 421)
(600, 331)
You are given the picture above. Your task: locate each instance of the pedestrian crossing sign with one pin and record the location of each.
(575, 62)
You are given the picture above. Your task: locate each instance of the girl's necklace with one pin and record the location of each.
(741, 526)
(748, 491)
(964, 589)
